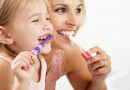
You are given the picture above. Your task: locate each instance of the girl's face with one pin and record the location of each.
(66, 18)
(29, 27)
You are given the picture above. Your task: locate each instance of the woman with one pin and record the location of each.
(65, 58)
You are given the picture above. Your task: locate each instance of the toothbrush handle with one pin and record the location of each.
(37, 49)
(86, 55)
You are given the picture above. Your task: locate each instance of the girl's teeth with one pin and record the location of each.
(43, 37)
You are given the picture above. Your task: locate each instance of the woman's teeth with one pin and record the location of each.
(66, 33)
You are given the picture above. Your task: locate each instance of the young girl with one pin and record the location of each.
(24, 24)
(65, 57)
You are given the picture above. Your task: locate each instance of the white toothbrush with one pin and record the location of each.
(84, 53)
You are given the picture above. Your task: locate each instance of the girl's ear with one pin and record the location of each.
(5, 38)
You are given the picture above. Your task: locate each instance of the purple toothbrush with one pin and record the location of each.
(37, 49)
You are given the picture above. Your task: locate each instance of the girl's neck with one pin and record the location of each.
(10, 52)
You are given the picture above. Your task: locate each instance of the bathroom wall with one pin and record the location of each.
(107, 26)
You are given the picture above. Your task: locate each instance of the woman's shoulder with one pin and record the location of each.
(72, 52)
(73, 58)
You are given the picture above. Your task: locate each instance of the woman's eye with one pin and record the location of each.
(78, 10)
(60, 10)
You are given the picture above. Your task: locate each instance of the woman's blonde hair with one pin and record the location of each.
(84, 9)
(8, 8)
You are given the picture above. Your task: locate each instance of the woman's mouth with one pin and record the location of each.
(66, 33)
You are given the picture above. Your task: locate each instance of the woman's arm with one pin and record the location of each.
(76, 68)
(100, 67)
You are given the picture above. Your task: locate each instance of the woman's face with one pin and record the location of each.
(66, 18)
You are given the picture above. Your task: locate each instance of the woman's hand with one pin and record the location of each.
(99, 65)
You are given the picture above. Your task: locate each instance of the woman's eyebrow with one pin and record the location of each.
(79, 5)
(59, 5)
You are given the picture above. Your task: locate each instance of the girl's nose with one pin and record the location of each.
(48, 26)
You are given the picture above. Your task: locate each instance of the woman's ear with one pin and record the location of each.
(5, 38)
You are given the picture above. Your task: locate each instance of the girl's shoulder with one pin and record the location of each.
(6, 75)
(5, 63)
(5, 58)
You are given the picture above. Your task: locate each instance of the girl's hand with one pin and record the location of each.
(22, 66)
(99, 65)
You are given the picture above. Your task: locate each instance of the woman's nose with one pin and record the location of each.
(72, 20)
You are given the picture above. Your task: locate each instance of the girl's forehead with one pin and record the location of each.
(33, 6)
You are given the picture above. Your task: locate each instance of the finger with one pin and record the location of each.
(101, 63)
(34, 58)
(22, 59)
(99, 57)
(19, 65)
(27, 55)
(97, 64)
(96, 49)
(104, 70)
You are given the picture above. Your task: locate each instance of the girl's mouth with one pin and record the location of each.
(43, 37)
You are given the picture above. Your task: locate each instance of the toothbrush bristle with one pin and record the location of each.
(72, 39)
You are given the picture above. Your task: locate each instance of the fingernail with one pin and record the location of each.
(88, 62)
(90, 51)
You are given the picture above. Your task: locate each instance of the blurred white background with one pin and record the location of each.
(107, 26)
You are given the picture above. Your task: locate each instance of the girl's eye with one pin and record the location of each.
(60, 10)
(47, 17)
(78, 10)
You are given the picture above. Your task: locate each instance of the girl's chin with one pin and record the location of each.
(46, 49)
